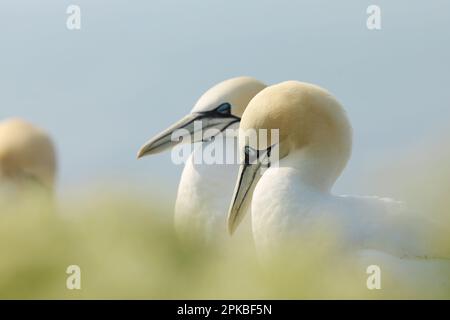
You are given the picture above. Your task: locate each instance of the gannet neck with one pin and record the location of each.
(313, 169)
(203, 195)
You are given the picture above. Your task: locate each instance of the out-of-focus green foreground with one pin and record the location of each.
(126, 248)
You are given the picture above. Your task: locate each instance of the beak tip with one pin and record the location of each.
(140, 154)
(144, 151)
(147, 149)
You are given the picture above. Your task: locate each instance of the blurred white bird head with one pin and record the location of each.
(27, 156)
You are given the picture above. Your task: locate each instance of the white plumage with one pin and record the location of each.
(203, 196)
(292, 202)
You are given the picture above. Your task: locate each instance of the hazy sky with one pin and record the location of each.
(137, 66)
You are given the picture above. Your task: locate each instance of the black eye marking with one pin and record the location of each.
(253, 156)
(268, 152)
(224, 108)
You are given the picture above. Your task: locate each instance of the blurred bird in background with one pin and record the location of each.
(28, 162)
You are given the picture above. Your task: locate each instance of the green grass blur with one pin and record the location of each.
(126, 248)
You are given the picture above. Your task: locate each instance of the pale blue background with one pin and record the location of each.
(136, 66)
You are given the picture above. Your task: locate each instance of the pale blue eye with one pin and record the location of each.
(224, 108)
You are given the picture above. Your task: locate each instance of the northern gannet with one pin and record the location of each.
(27, 160)
(205, 189)
(292, 199)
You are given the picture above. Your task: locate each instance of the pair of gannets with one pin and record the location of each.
(293, 195)
(27, 160)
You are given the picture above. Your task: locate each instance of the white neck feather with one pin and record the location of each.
(316, 168)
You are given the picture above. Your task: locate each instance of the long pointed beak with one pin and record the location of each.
(248, 177)
(173, 135)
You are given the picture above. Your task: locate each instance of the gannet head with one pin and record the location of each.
(27, 154)
(311, 123)
(219, 108)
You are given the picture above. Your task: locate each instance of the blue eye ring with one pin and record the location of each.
(224, 108)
